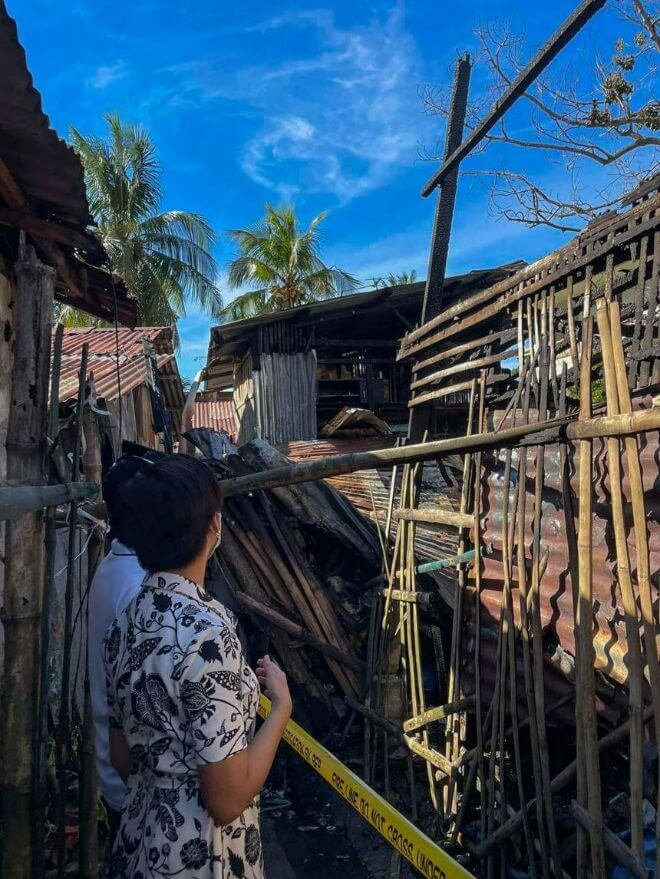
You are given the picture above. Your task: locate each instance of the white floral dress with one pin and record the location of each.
(181, 692)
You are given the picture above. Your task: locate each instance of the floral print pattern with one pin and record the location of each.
(181, 692)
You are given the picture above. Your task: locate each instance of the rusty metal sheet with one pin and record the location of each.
(556, 585)
(219, 415)
(102, 363)
(441, 487)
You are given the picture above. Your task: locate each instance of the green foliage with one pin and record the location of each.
(283, 264)
(164, 258)
(597, 391)
(396, 279)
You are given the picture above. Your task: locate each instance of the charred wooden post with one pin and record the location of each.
(24, 562)
(444, 212)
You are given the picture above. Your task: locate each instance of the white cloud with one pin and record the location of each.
(105, 75)
(339, 115)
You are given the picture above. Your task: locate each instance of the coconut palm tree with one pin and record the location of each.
(164, 258)
(282, 264)
(395, 279)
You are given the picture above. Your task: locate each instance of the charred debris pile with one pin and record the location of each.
(302, 568)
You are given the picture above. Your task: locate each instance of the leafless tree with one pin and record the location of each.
(605, 115)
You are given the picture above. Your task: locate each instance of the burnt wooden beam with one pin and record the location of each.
(573, 25)
(20, 219)
(444, 211)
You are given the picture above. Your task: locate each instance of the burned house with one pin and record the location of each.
(292, 371)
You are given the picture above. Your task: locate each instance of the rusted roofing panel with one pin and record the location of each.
(556, 587)
(217, 414)
(369, 492)
(44, 191)
(103, 351)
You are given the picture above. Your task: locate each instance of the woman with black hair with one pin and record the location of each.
(182, 699)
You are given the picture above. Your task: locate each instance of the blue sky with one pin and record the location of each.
(318, 104)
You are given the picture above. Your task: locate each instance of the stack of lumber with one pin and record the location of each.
(296, 559)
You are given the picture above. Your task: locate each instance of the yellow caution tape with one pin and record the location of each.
(415, 846)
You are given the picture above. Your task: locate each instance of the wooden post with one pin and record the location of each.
(24, 560)
(88, 799)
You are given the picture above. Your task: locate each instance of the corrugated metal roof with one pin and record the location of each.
(226, 338)
(47, 186)
(45, 167)
(217, 414)
(556, 589)
(103, 350)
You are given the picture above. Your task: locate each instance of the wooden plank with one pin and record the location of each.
(436, 517)
(455, 389)
(463, 366)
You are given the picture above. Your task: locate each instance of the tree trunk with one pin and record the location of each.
(24, 560)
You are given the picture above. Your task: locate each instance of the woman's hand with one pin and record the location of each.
(274, 683)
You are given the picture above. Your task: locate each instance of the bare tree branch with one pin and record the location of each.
(605, 114)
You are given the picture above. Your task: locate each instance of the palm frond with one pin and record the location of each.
(247, 305)
(284, 262)
(164, 258)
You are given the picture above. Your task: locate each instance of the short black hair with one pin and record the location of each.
(121, 471)
(167, 510)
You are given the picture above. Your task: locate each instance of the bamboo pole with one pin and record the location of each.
(635, 670)
(641, 538)
(24, 562)
(510, 646)
(481, 770)
(433, 714)
(524, 622)
(436, 516)
(557, 784)
(39, 780)
(64, 733)
(88, 787)
(19, 500)
(544, 431)
(545, 371)
(585, 702)
(453, 684)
